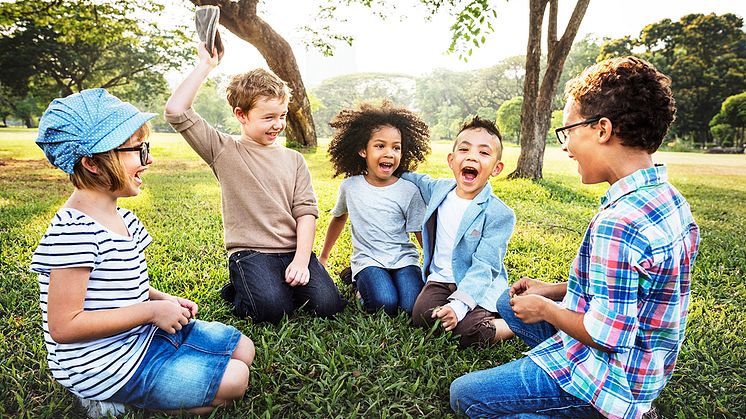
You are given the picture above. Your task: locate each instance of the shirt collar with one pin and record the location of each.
(644, 177)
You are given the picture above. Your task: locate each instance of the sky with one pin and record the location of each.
(416, 46)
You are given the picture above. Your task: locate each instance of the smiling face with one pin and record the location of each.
(582, 145)
(133, 168)
(265, 121)
(382, 155)
(475, 158)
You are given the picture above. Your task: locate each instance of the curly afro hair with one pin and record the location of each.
(354, 127)
(632, 93)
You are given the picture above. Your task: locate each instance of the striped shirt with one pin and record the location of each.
(96, 369)
(631, 278)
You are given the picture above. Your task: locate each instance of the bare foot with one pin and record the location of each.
(502, 331)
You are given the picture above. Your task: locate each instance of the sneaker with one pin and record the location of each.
(100, 408)
(345, 275)
(228, 293)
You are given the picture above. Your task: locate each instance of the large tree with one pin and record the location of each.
(55, 48)
(536, 113)
(241, 18)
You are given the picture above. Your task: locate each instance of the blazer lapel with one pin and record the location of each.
(471, 213)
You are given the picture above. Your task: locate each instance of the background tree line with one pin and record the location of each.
(53, 48)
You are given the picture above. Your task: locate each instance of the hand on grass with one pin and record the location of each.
(169, 315)
(297, 273)
(447, 317)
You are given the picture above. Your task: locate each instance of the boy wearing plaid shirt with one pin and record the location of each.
(610, 346)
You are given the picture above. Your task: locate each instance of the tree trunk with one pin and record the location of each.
(536, 113)
(240, 18)
(29, 121)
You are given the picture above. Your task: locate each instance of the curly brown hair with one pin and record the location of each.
(354, 127)
(632, 93)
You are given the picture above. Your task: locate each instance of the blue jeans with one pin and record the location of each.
(262, 293)
(181, 370)
(518, 389)
(389, 289)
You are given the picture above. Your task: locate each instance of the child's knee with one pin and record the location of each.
(503, 304)
(245, 351)
(235, 382)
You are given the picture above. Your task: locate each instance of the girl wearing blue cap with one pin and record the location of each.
(111, 338)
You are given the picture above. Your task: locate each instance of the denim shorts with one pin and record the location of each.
(182, 370)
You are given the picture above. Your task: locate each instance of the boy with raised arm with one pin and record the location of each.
(269, 207)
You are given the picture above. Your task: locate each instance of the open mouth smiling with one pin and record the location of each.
(469, 173)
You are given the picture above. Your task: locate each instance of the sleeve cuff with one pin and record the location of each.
(612, 330)
(183, 120)
(459, 308)
(464, 298)
(306, 210)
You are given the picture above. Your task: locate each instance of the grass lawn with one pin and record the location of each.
(357, 364)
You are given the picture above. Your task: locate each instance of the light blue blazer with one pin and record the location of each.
(480, 244)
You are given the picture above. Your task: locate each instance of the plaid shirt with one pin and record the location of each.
(631, 279)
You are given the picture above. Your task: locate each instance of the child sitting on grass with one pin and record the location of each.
(372, 146)
(111, 338)
(610, 347)
(269, 207)
(465, 237)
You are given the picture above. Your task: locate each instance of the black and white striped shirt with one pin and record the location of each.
(96, 369)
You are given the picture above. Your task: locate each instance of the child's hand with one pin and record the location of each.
(205, 57)
(297, 274)
(323, 259)
(447, 317)
(189, 305)
(527, 285)
(169, 316)
(529, 308)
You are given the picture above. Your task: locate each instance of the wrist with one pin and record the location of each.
(549, 311)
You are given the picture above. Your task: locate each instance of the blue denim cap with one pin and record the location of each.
(92, 121)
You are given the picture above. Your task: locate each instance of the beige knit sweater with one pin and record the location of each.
(264, 188)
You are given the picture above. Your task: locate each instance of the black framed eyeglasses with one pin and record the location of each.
(143, 148)
(562, 135)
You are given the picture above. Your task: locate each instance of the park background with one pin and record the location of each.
(372, 365)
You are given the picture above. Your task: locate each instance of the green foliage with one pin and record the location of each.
(211, 104)
(54, 48)
(347, 91)
(509, 119)
(705, 57)
(728, 126)
(362, 365)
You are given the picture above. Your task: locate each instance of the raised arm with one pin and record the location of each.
(183, 97)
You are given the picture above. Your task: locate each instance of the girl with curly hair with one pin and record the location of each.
(372, 146)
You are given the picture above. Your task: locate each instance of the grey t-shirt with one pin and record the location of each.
(381, 219)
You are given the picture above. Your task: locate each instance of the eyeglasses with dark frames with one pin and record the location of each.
(143, 148)
(562, 135)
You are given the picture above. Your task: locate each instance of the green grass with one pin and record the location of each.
(357, 364)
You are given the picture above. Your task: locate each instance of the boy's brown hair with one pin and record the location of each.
(245, 89)
(111, 174)
(632, 93)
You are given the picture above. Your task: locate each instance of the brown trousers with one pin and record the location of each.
(475, 328)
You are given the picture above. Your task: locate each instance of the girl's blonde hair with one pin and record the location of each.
(111, 174)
